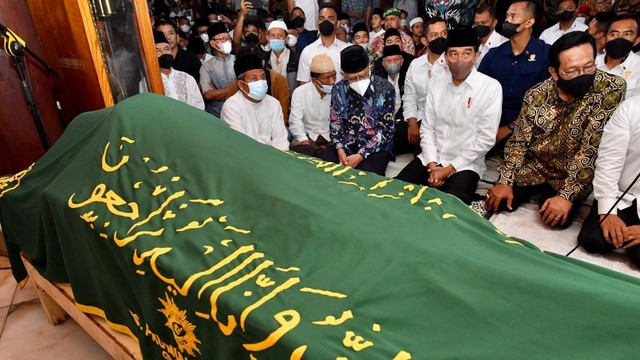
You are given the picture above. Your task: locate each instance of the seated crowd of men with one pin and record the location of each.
(562, 110)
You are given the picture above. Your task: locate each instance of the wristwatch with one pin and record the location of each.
(512, 125)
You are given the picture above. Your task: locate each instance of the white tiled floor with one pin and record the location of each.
(26, 334)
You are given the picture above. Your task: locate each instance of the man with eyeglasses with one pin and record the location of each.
(554, 146)
(619, 59)
(566, 15)
(216, 75)
(362, 108)
(462, 113)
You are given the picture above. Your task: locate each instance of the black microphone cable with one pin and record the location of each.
(608, 212)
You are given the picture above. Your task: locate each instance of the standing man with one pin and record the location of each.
(216, 75)
(517, 64)
(362, 124)
(419, 75)
(376, 25)
(554, 145)
(309, 9)
(392, 21)
(250, 110)
(598, 28)
(485, 23)
(310, 109)
(182, 59)
(177, 84)
(566, 14)
(462, 115)
(619, 59)
(416, 27)
(327, 43)
(617, 166)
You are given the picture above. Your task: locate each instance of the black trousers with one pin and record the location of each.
(375, 163)
(592, 239)
(401, 143)
(462, 184)
(522, 194)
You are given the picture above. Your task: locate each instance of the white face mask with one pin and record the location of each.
(291, 40)
(365, 45)
(360, 86)
(185, 28)
(204, 37)
(225, 47)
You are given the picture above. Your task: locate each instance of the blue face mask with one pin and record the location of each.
(324, 88)
(276, 45)
(257, 89)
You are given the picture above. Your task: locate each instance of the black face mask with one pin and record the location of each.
(566, 15)
(483, 30)
(251, 39)
(438, 46)
(618, 48)
(298, 22)
(166, 61)
(577, 87)
(509, 29)
(326, 28)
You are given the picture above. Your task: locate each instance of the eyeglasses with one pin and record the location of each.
(572, 74)
(222, 39)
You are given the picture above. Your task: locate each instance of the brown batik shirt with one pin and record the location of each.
(556, 142)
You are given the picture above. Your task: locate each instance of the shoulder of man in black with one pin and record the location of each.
(187, 62)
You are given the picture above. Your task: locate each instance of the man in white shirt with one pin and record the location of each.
(177, 84)
(617, 168)
(310, 8)
(310, 108)
(251, 111)
(327, 43)
(376, 25)
(485, 23)
(619, 59)
(420, 72)
(462, 116)
(566, 22)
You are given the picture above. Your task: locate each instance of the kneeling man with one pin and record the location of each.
(250, 110)
(462, 114)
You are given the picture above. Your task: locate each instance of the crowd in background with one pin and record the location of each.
(550, 87)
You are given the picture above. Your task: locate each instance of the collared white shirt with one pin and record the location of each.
(262, 121)
(416, 84)
(311, 9)
(629, 70)
(495, 40)
(618, 161)
(553, 33)
(396, 87)
(315, 48)
(461, 121)
(309, 113)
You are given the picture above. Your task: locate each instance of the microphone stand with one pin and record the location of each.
(16, 48)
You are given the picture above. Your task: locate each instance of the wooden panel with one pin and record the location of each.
(69, 45)
(57, 299)
(19, 141)
(147, 46)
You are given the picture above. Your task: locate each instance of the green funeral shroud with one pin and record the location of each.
(202, 243)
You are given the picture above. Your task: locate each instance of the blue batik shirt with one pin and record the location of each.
(363, 124)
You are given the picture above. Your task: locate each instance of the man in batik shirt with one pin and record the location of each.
(362, 109)
(555, 141)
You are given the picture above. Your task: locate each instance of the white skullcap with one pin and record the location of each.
(415, 21)
(278, 24)
(322, 63)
